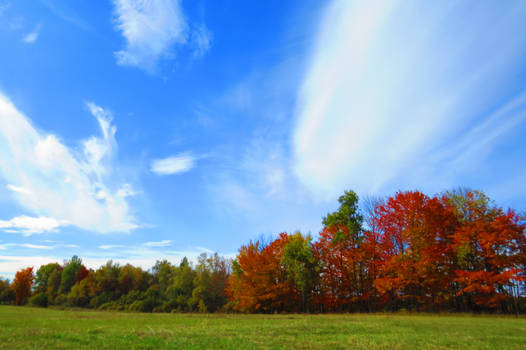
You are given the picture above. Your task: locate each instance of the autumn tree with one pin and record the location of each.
(132, 278)
(106, 284)
(343, 274)
(415, 236)
(22, 285)
(259, 282)
(490, 250)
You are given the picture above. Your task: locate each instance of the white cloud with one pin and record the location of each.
(111, 246)
(391, 84)
(150, 28)
(164, 243)
(173, 165)
(31, 38)
(35, 246)
(10, 264)
(62, 184)
(31, 225)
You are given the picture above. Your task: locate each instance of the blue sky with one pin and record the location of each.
(143, 130)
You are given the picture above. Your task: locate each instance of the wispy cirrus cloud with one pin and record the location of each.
(173, 165)
(393, 87)
(60, 185)
(152, 30)
(25, 245)
(61, 10)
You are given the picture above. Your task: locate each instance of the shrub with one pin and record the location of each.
(146, 305)
(40, 299)
(111, 306)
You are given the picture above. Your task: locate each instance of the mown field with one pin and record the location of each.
(32, 328)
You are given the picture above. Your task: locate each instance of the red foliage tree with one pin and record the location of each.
(346, 267)
(259, 282)
(22, 285)
(415, 235)
(490, 251)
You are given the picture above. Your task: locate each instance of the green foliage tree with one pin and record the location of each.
(106, 284)
(7, 296)
(53, 284)
(210, 281)
(301, 265)
(163, 274)
(69, 274)
(180, 291)
(348, 214)
(456, 251)
(42, 277)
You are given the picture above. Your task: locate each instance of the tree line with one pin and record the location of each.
(164, 288)
(456, 251)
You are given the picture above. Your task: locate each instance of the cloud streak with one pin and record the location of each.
(393, 85)
(163, 243)
(25, 245)
(173, 165)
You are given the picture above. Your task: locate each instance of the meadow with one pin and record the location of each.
(37, 328)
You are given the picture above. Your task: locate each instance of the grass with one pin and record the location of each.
(32, 328)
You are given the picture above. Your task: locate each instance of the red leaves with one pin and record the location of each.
(22, 285)
(416, 230)
(344, 261)
(260, 282)
(451, 251)
(490, 247)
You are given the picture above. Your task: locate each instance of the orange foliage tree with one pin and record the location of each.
(22, 285)
(259, 282)
(416, 232)
(345, 283)
(454, 251)
(490, 251)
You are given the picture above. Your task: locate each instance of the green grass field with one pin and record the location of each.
(31, 328)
